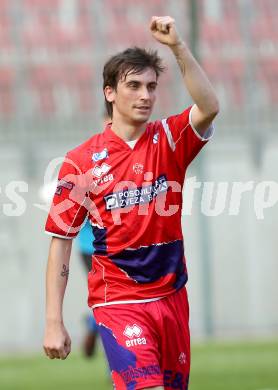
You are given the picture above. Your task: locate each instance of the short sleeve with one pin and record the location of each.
(183, 139)
(68, 210)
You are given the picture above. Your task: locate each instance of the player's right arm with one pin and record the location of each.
(66, 215)
(57, 343)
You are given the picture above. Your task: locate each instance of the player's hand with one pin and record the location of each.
(57, 343)
(164, 30)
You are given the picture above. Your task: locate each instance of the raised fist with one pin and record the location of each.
(164, 30)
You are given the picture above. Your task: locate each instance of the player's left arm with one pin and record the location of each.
(206, 105)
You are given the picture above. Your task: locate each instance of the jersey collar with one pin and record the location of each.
(111, 136)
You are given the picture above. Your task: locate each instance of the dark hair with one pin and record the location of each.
(132, 60)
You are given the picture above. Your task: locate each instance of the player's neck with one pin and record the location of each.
(126, 130)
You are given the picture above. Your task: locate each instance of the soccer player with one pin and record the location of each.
(129, 179)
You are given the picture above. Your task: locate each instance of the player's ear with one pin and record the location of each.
(109, 93)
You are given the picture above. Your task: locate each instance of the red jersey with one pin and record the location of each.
(133, 199)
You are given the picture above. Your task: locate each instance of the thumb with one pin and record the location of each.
(67, 345)
(63, 354)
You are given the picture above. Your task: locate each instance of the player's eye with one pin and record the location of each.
(133, 85)
(152, 87)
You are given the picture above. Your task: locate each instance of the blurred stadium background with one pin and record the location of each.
(51, 58)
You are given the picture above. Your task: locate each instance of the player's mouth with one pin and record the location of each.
(143, 108)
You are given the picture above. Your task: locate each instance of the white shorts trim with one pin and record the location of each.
(126, 302)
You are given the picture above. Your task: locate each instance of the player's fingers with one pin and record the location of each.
(163, 19)
(68, 342)
(162, 27)
(48, 353)
(153, 23)
(68, 348)
(162, 24)
(54, 353)
(167, 23)
(63, 354)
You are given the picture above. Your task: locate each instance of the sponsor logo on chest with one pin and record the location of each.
(136, 196)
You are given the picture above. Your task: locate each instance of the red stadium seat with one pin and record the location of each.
(268, 74)
(33, 5)
(215, 36)
(264, 26)
(5, 26)
(265, 9)
(6, 43)
(127, 22)
(222, 49)
(228, 73)
(7, 89)
(264, 30)
(43, 79)
(234, 73)
(83, 84)
(230, 10)
(76, 79)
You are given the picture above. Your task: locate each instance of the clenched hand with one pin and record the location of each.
(164, 30)
(57, 343)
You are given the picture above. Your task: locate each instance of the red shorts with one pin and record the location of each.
(147, 344)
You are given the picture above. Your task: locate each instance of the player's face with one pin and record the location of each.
(134, 97)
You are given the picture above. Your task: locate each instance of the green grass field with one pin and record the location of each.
(215, 366)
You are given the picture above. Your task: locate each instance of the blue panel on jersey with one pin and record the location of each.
(85, 239)
(119, 358)
(100, 240)
(148, 264)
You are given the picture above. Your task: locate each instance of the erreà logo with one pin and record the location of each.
(102, 170)
(100, 155)
(133, 332)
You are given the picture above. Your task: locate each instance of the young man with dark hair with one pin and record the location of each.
(129, 178)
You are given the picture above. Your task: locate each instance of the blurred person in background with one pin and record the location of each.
(123, 176)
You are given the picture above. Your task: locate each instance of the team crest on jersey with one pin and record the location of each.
(100, 155)
(155, 138)
(138, 168)
(99, 171)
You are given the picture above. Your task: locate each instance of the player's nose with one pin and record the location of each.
(145, 94)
